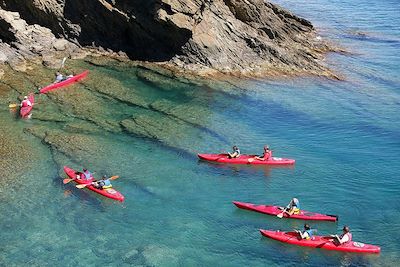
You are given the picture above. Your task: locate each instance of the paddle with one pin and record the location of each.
(250, 160)
(280, 215)
(80, 186)
(67, 180)
(62, 63)
(14, 105)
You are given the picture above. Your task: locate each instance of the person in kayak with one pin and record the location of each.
(345, 237)
(59, 77)
(235, 153)
(87, 175)
(307, 233)
(267, 154)
(104, 183)
(293, 207)
(79, 176)
(26, 102)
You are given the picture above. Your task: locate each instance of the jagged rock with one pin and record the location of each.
(60, 44)
(241, 37)
(26, 42)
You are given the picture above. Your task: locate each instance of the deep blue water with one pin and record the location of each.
(344, 135)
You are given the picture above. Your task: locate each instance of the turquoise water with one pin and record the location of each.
(345, 136)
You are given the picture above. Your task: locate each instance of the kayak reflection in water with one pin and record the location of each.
(307, 233)
(345, 237)
(104, 183)
(235, 153)
(267, 154)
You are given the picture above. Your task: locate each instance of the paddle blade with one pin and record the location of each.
(280, 215)
(67, 180)
(12, 105)
(114, 177)
(63, 62)
(80, 186)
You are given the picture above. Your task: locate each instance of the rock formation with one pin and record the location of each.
(242, 37)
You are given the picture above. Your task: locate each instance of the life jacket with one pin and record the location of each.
(26, 103)
(59, 78)
(350, 236)
(106, 182)
(309, 233)
(267, 154)
(238, 152)
(296, 203)
(88, 175)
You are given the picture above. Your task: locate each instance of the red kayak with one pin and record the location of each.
(24, 111)
(245, 159)
(275, 210)
(324, 242)
(109, 192)
(64, 83)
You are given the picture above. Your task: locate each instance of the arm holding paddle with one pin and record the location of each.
(267, 154)
(280, 215)
(291, 208)
(96, 183)
(343, 238)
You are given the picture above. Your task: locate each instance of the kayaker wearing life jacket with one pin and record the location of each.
(307, 233)
(59, 77)
(87, 174)
(235, 153)
(266, 155)
(104, 183)
(26, 102)
(79, 175)
(293, 207)
(345, 237)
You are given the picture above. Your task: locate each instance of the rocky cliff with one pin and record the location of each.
(241, 37)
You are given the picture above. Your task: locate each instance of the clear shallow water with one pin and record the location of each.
(345, 137)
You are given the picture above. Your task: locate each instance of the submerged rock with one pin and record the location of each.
(169, 131)
(157, 255)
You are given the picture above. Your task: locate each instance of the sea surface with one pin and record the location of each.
(178, 211)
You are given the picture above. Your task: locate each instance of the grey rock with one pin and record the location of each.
(240, 37)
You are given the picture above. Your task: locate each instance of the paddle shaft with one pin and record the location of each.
(80, 186)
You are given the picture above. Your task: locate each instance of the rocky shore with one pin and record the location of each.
(251, 38)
